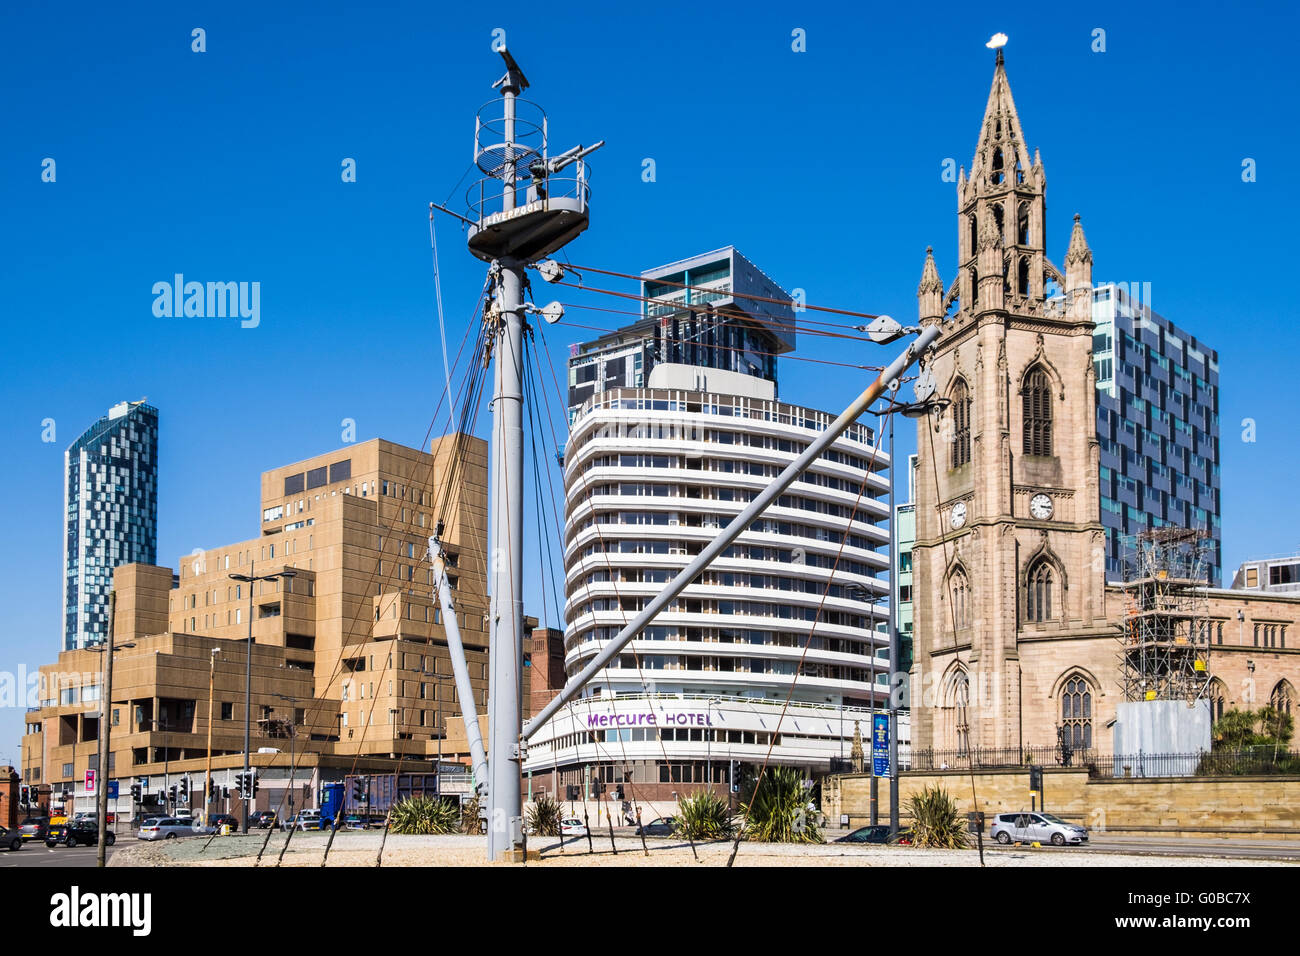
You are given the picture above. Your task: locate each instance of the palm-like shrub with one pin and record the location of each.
(544, 816)
(469, 811)
(780, 810)
(704, 816)
(424, 815)
(935, 820)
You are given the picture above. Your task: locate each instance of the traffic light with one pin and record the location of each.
(598, 787)
(136, 792)
(185, 790)
(571, 792)
(254, 783)
(212, 789)
(24, 795)
(239, 785)
(1036, 779)
(171, 793)
(360, 788)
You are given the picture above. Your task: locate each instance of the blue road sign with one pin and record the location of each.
(880, 745)
(112, 789)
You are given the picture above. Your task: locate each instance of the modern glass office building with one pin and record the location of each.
(110, 505)
(1158, 425)
(711, 311)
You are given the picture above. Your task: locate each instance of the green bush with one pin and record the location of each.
(1244, 730)
(544, 815)
(935, 820)
(424, 815)
(704, 816)
(780, 810)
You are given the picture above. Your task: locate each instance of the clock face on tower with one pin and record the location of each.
(1040, 507)
(958, 516)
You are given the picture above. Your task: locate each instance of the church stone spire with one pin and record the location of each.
(1001, 210)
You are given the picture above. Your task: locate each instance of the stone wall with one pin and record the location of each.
(1228, 806)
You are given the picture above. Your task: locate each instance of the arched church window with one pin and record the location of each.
(974, 234)
(1217, 695)
(997, 174)
(958, 718)
(1281, 698)
(961, 407)
(1022, 276)
(1076, 714)
(1037, 397)
(959, 589)
(1038, 597)
(1022, 223)
(999, 219)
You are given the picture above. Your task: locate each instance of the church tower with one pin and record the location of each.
(1009, 550)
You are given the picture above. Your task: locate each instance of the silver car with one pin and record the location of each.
(169, 828)
(1036, 827)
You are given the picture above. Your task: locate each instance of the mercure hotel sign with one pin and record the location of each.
(669, 718)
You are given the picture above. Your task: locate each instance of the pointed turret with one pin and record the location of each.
(929, 294)
(1078, 273)
(1078, 260)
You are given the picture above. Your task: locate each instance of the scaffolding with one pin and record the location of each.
(1165, 639)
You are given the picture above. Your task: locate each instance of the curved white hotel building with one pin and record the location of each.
(651, 475)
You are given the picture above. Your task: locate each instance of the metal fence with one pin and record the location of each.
(1256, 761)
(997, 758)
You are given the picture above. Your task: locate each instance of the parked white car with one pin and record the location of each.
(169, 828)
(1036, 827)
(573, 827)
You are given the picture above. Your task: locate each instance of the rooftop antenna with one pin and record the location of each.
(526, 205)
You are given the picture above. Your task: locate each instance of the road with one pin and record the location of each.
(36, 854)
(1232, 848)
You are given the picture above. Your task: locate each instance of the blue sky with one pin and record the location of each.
(823, 167)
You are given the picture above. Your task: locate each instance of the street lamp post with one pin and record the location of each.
(865, 595)
(293, 733)
(437, 716)
(710, 731)
(105, 713)
(914, 410)
(251, 579)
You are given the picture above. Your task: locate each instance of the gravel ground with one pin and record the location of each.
(361, 849)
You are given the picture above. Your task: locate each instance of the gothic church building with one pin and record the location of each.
(1016, 638)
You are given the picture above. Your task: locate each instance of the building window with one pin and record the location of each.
(1281, 698)
(959, 588)
(961, 425)
(959, 713)
(1038, 592)
(227, 711)
(1076, 714)
(1218, 700)
(1037, 397)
